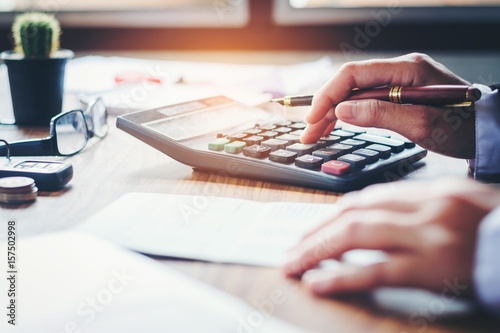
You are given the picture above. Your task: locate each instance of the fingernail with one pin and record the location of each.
(318, 282)
(346, 110)
(291, 269)
(308, 114)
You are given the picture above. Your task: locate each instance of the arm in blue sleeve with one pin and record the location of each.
(486, 165)
(487, 263)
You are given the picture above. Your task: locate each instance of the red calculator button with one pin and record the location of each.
(335, 167)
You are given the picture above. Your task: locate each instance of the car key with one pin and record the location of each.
(48, 175)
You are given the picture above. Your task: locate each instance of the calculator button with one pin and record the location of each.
(234, 147)
(291, 139)
(408, 143)
(379, 132)
(352, 128)
(218, 144)
(396, 145)
(297, 132)
(282, 123)
(370, 155)
(336, 167)
(330, 140)
(384, 151)
(301, 149)
(253, 131)
(282, 156)
(268, 127)
(356, 144)
(253, 140)
(309, 162)
(326, 154)
(343, 134)
(320, 145)
(298, 125)
(283, 130)
(237, 137)
(343, 149)
(257, 151)
(268, 135)
(275, 144)
(356, 161)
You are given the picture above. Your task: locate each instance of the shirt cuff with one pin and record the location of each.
(486, 267)
(486, 165)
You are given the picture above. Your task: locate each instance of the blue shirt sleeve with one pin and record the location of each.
(486, 166)
(487, 264)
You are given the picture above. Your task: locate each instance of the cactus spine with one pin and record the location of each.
(36, 34)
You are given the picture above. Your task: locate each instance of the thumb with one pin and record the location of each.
(412, 121)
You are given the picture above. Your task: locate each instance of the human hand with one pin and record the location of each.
(427, 230)
(450, 132)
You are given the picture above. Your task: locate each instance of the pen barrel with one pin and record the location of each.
(301, 100)
(437, 95)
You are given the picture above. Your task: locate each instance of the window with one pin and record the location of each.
(385, 3)
(140, 13)
(317, 12)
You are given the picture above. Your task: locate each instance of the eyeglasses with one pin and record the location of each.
(69, 133)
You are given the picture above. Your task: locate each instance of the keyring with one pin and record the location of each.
(7, 146)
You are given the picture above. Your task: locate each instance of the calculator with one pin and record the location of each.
(224, 135)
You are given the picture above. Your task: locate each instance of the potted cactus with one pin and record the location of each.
(36, 68)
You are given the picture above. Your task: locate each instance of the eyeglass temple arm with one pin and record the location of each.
(36, 147)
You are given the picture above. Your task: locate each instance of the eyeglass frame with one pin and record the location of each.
(48, 146)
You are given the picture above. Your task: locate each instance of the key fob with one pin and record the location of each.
(48, 175)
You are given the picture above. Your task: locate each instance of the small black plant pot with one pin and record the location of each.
(36, 86)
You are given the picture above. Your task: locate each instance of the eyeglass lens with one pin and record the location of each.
(71, 133)
(97, 118)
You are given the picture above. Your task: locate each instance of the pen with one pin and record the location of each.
(436, 95)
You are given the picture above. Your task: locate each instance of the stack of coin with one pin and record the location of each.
(17, 190)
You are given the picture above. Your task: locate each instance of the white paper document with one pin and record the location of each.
(74, 282)
(207, 228)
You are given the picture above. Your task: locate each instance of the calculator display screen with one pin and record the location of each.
(204, 121)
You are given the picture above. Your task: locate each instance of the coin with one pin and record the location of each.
(15, 184)
(17, 190)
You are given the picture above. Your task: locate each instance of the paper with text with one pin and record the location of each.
(207, 228)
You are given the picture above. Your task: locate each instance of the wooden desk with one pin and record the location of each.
(120, 163)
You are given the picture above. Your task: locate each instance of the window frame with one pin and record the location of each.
(220, 14)
(286, 15)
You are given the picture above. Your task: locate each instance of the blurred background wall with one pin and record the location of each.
(333, 25)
